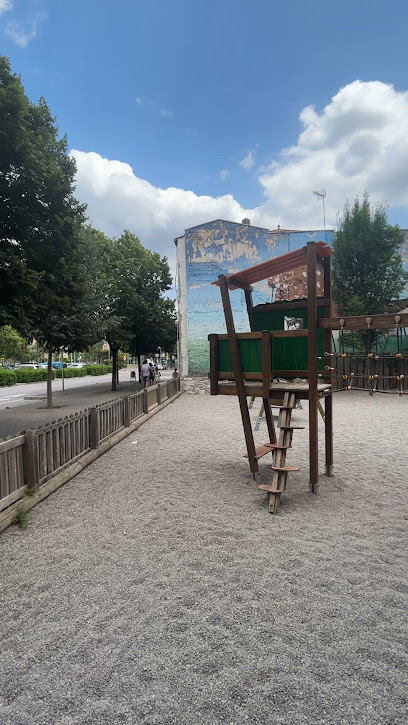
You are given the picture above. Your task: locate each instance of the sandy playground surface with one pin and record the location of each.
(155, 587)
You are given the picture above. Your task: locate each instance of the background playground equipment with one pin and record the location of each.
(289, 340)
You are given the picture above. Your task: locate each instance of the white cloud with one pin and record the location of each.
(224, 173)
(248, 161)
(166, 114)
(5, 5)
(20, 36)
(358, 141)
(139, 101)
(117, 200)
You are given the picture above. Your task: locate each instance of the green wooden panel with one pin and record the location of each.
(286, 353)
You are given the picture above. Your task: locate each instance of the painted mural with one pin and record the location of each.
(221, 247)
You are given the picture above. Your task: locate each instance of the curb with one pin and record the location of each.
(7, 516)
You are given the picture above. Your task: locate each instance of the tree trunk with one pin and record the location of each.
(139, 365)
(49, 380)
(114, 353)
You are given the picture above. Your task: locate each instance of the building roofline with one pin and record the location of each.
(253, 226)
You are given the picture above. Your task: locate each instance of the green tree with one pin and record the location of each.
(44, 279)
(133, 280)
(368, 272)
(12, 345)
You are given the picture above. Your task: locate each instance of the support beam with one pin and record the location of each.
(312, 355)
(328, 403)
(239, 379)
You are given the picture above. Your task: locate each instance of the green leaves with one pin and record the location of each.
(367, 267)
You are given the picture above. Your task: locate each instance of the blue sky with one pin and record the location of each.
(200, 98)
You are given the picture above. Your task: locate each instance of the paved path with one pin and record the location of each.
(155, 587)
(92, 391)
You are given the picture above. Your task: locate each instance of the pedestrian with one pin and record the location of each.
(152, 374)
(145, 370)
(175, 374)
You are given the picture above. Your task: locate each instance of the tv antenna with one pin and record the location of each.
(322, 195)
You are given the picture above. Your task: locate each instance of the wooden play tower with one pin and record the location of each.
(247, 364)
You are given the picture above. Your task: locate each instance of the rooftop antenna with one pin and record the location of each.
(322, 195)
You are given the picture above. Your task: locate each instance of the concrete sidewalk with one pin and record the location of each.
(32, 415)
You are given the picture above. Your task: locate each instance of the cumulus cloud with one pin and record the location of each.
(224, 173)
(5, 5)
(247, 162)
(117, 200)
(23, 36)
(166, 114)
(358, 141)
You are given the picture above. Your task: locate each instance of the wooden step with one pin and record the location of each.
(292, 427)
(269, 489)
(285, 469)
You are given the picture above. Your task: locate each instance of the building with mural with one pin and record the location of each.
(222, 247)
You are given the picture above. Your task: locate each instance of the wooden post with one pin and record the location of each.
(94, 428)
(145, 401)
(213, 339)
(328, 403)
(30, 453)
(126, 411)
(239, 378)
(266, 384)
(312, 364)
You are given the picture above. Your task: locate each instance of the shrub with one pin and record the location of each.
(97, 369)
(121, 362)
(30, 375)
(7, 377)
(72, 372)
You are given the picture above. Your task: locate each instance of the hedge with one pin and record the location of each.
(7, 377)
(72, 372)
(31, 375)
(98, 369)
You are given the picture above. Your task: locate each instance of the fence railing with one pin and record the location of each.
(364, 373)
(29, 460)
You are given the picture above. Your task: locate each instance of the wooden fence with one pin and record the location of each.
(29, 460)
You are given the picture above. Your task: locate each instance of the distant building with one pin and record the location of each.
(222, 247)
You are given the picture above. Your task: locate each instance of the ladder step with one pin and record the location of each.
(285, 469)
(292, 427)
(269, 489)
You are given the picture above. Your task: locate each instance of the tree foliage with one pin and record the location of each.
(131, 282)
(12, 345)
(367, 266)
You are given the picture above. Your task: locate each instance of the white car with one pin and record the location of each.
(76, 365)
(32, 366)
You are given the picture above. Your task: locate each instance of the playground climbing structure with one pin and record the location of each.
(289, 341)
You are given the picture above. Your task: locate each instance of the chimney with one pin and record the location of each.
(246, 221)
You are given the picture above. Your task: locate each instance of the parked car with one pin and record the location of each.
(32, 366)
(76, 365)
(8, 367)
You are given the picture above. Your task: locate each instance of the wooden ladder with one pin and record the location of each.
(280, 471)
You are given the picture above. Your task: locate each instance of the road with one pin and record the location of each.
(15, 394)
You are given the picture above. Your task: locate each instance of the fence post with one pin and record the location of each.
(158, 394)
(145, 401)
(168, 384)
(94, 427)
(31, 459)
(126, 411)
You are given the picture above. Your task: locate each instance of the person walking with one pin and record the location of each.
(145, 370)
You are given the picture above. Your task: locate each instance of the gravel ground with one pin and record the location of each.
(155, 587)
